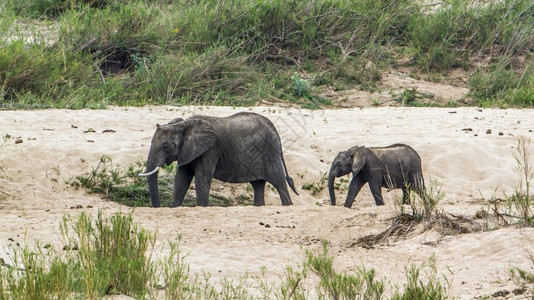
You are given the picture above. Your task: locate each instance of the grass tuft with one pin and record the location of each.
(417, 288)
(334, 285)
(516, 208)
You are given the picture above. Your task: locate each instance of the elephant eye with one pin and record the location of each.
(165, 145)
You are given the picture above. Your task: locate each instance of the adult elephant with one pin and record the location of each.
(244, 147)
(394, 166)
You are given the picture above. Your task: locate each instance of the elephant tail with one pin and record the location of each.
(288, 178)
(291, 185)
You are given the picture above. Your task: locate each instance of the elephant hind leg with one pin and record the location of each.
(259, 192)
(280, 185)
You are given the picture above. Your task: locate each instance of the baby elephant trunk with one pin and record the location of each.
(331, 179)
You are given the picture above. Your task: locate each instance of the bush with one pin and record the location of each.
(115, 38)
(107, 257)
(503, 87)
(447, 37)
(112, 255)
(33, 69)
(333, 285)
(194, 78)
(416, 288)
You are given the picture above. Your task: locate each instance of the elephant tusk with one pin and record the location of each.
(149, 173)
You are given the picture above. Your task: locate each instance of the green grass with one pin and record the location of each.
(335, 285)
(103, 256)
(316, 187)
(504, 87)
(90, 54)
(416, 288)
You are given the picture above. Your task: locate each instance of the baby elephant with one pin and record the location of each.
(395, 166)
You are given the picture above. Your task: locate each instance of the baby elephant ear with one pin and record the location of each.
(198, 136)
(358, 160)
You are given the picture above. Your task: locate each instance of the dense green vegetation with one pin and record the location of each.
(91, 53)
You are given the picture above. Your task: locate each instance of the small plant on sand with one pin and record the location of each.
(292, 284)
(105, 257)
(334, 285)
(122, 186)
(515, 208)
(522, 278)
(417, 288)
(6, 138)
(425, 205)
(406, 97)
(524, 201)
(316, 187)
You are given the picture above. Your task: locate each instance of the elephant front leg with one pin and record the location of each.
(259, 192)
(202, 188)
(204, 170)
(354, 188)
(182, 181)
(376, 189)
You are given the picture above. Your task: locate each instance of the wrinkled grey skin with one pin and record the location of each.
(244, 147)
(395, 166)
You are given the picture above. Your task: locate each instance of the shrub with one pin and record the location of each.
(334, 285)
(106, 257)
(503, 87)
(416, 288)
(112, 255)
(33, 69)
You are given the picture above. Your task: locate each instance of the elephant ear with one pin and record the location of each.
(197, 137)
(359, 158)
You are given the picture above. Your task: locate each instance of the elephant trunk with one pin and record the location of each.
(153, 189)
(331, 179)
(152, 180)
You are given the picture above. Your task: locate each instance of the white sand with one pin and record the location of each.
(228, 242)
